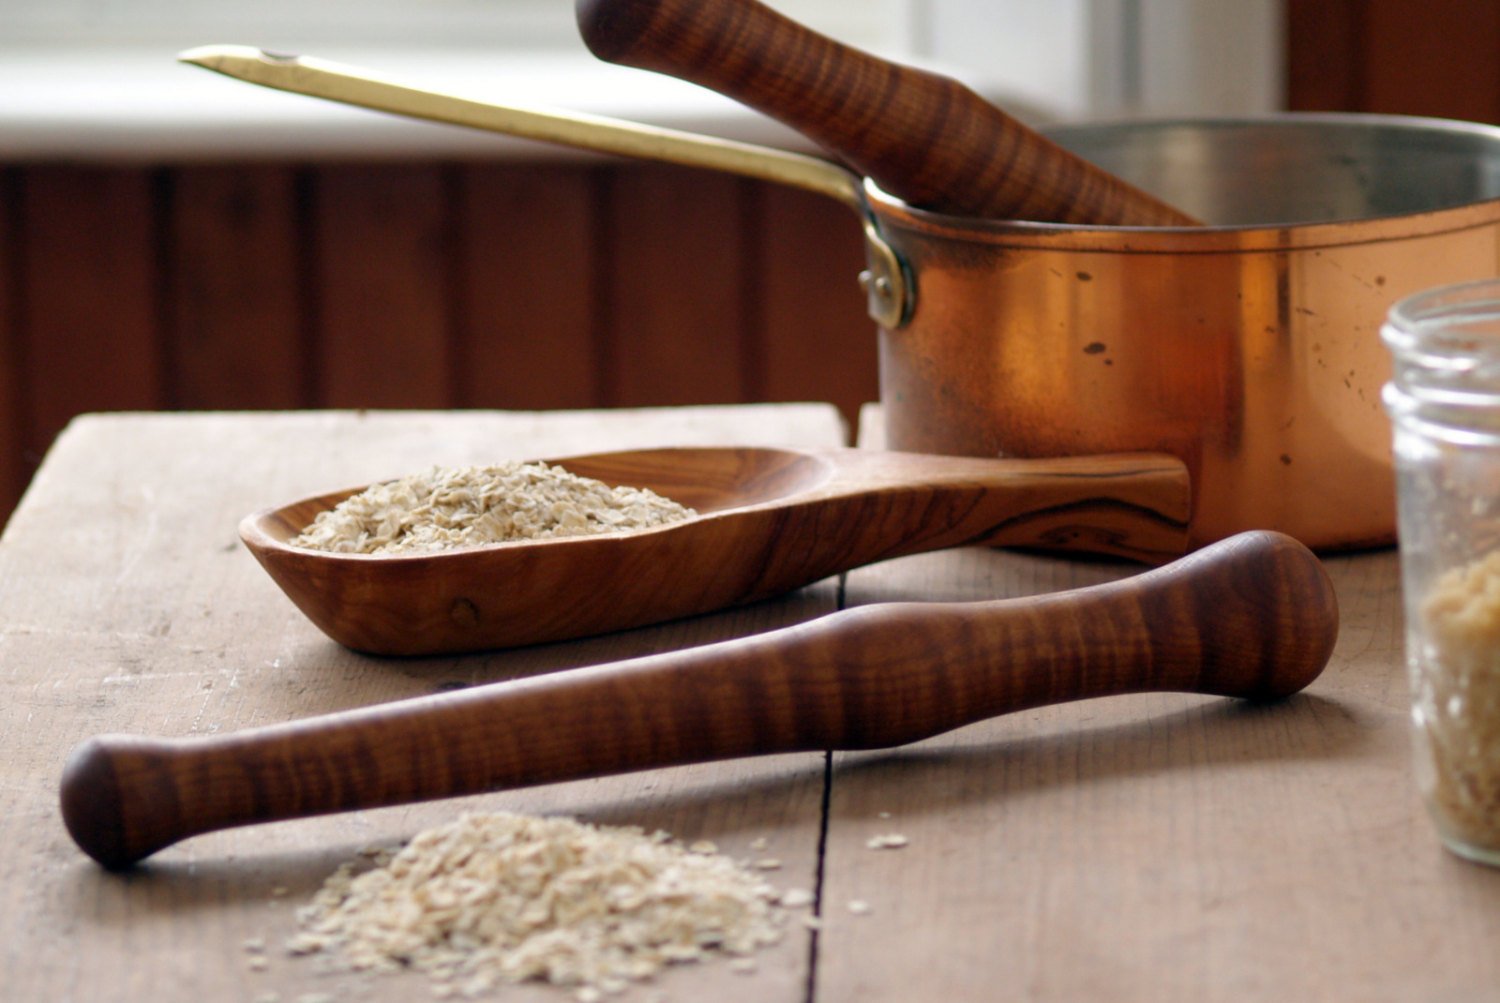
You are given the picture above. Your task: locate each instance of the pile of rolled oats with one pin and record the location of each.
(452, 507)
(497, 898)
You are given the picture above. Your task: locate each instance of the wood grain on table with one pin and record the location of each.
(128, 604)
(1151, 847)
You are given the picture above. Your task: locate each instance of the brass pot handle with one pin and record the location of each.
(887, 282)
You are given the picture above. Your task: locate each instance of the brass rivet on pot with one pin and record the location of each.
(886, 282)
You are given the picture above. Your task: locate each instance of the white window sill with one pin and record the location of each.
(146, 107)
(1038, 61)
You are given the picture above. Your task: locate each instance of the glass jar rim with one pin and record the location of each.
(1426, 308)
(1446, 329)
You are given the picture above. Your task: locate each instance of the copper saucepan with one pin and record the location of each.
(1248, 347)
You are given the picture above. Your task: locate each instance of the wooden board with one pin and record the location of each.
(272, 285)
(531, 272)
(1325, 61)
(1410, 61)
(382, 316)
(1394, 57)
(89, 282)
(13, 472)
(818, 341)
(127, 604)
(237, 292)
(676, 310)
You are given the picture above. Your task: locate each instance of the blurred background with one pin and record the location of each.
(170, 239)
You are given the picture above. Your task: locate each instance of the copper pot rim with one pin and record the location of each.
(1211, 239)
(1184, 240)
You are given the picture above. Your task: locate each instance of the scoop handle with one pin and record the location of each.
(1253, 616)
(922, 137)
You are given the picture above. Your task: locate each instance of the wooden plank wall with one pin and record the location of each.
(415, 285)
(511, 285)
(1439, 58)
(13, 468)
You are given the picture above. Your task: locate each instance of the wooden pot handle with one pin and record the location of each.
(1253, 616)
(922, 137)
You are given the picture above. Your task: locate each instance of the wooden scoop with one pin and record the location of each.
(1253, 616)
(770, 520)
(922, 137)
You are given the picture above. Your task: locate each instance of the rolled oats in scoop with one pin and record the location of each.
(447, 508)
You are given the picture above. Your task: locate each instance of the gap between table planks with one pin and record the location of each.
(127, 604)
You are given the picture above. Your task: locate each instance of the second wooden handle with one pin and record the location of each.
(922, 137)
(1253, 616)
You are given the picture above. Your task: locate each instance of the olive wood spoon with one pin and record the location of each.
(922, 137)
(770, 520)
(1253, 616)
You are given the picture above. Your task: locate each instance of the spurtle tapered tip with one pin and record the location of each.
(610, 29)
(91, 809)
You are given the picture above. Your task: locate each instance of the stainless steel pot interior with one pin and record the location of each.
(1298, 168)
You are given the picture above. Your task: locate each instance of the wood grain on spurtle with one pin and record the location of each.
(1253, 616)
(922, 137)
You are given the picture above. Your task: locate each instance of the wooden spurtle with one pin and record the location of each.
(1253, 616)
(770, 520)
(922, 137)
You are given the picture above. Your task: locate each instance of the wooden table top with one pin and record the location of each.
(1155, 847)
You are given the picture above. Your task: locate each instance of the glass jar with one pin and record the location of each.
(1444, 405)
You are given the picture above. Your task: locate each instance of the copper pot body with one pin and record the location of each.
(1249, 348)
